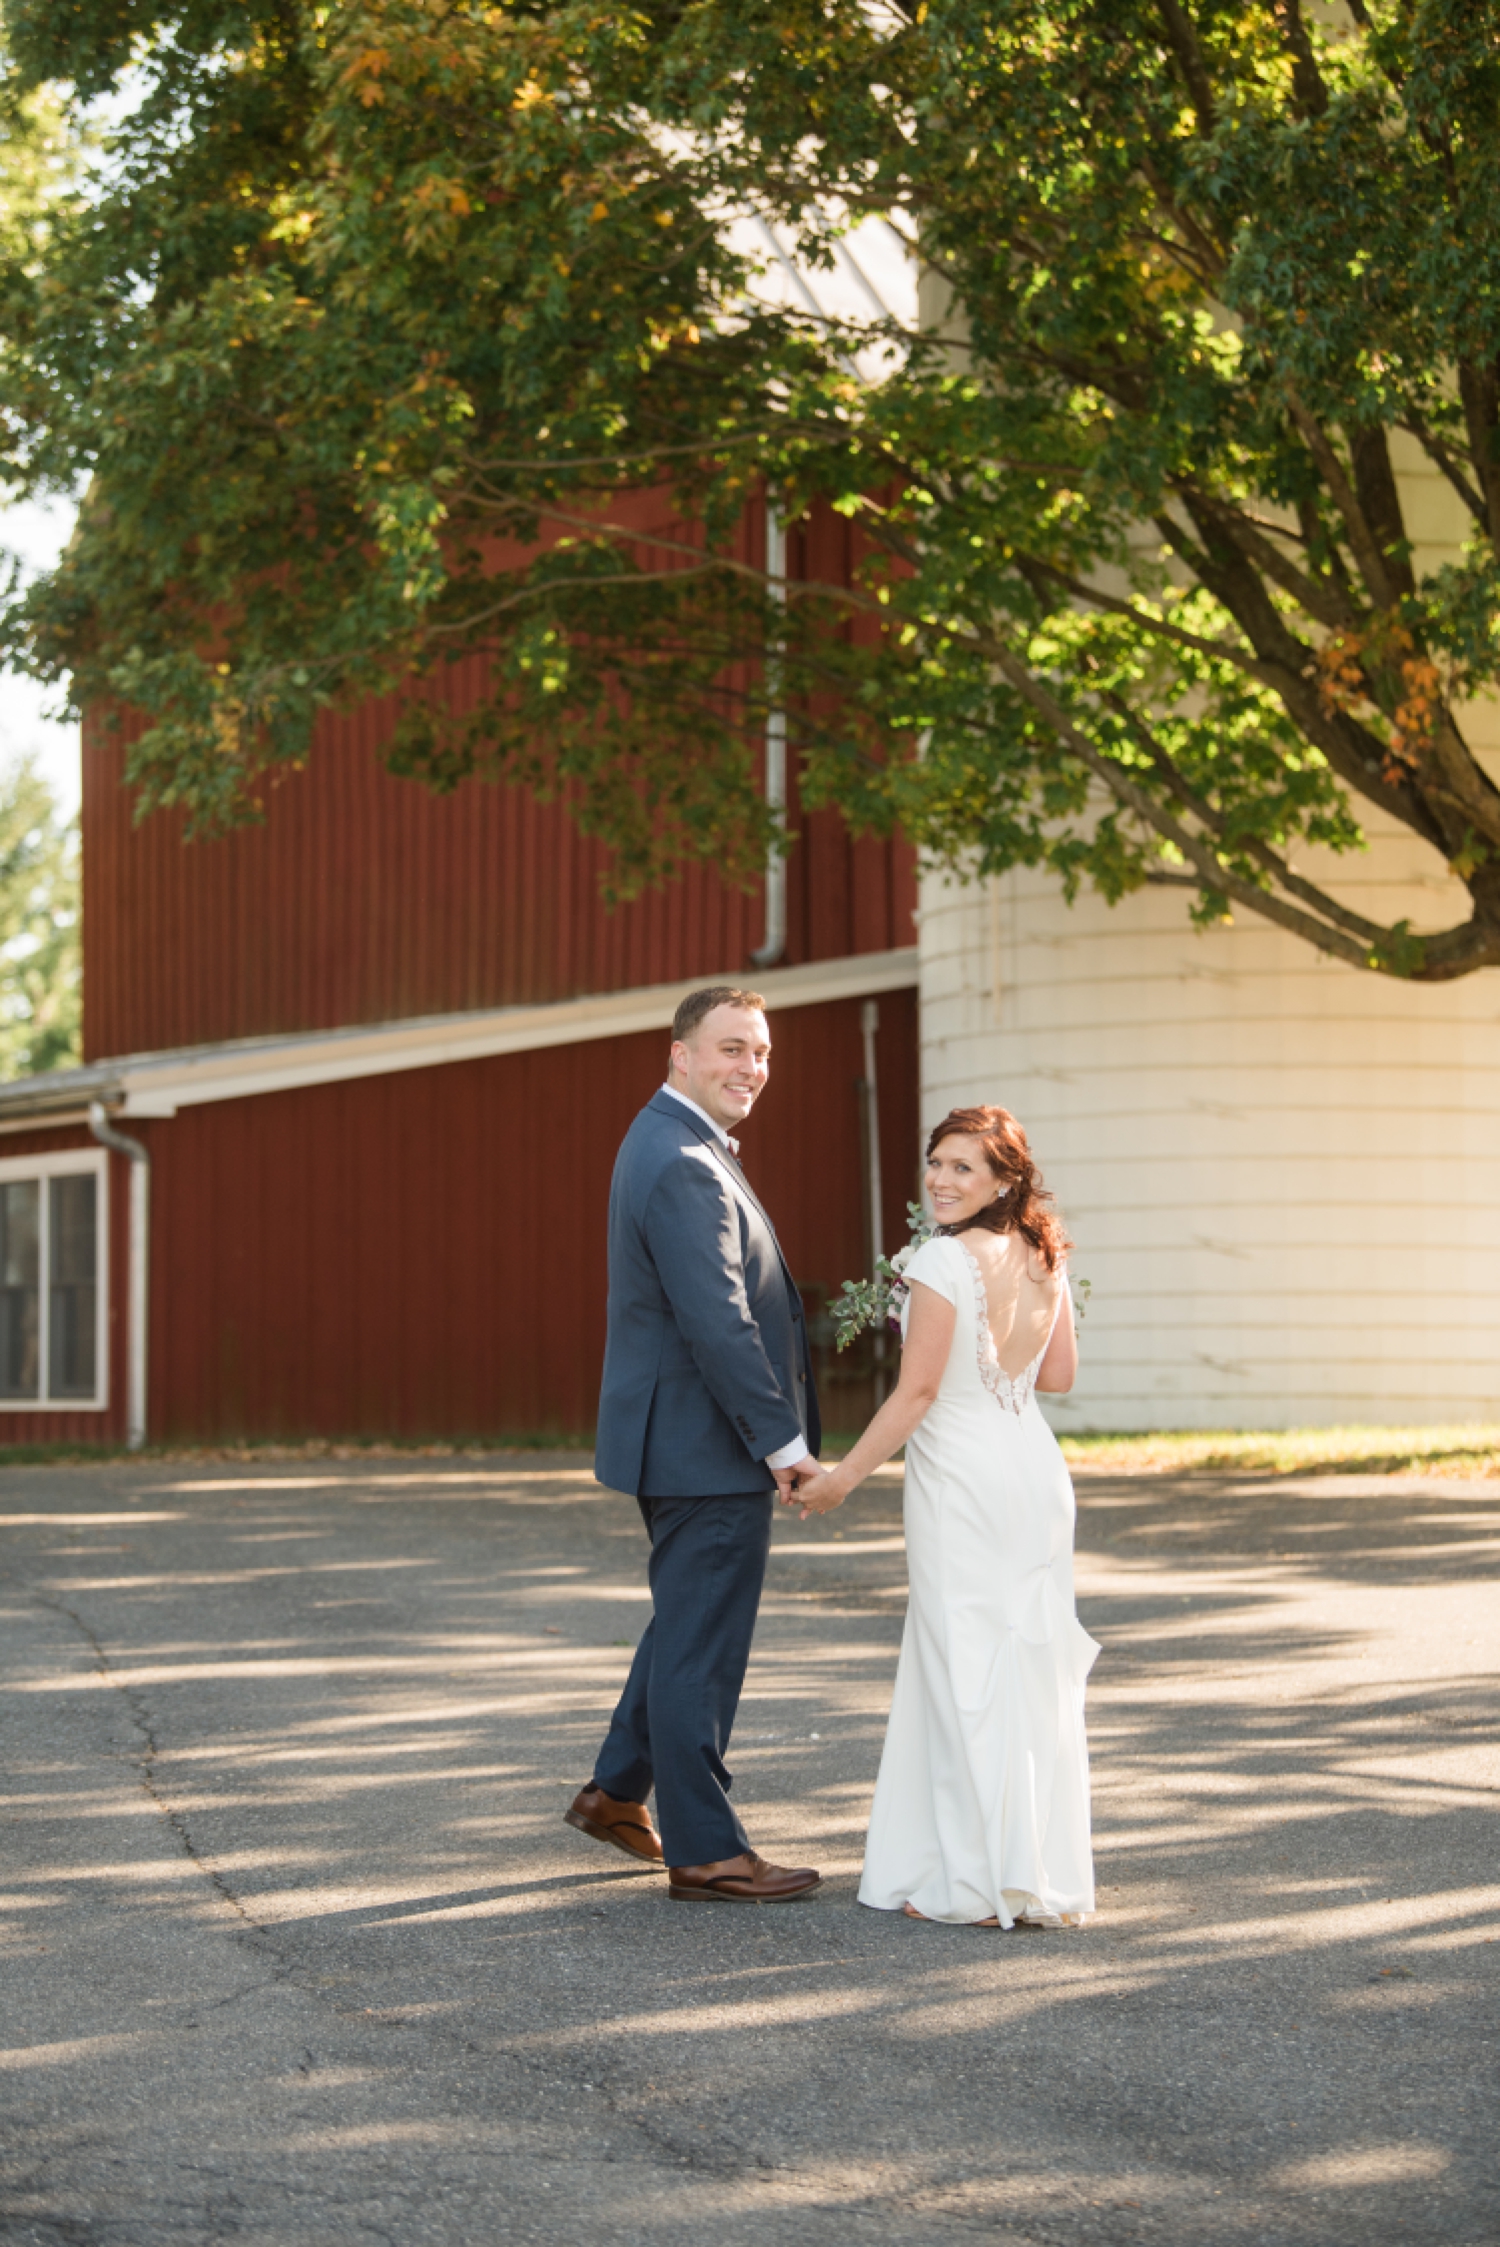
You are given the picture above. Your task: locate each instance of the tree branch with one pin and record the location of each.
(1212, 252)
(1307, 79)
(1371, 932)
(1362, 542)
(1159, 627)
(1183, 41)
(645, 454)
(1356, 755)
(1443, 460)
(1380, 502)
(1317, 539)
(1478, 393)
(1280, 661)
(1454, 952)
(1325, 602)
(533, 591)
(1212, 876)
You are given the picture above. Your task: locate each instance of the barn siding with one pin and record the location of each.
(365, 898)
(424, 1254)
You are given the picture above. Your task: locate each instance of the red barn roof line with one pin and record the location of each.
(158, 1084)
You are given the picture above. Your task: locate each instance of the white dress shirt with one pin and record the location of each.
(716, 1128)
(789, 1453)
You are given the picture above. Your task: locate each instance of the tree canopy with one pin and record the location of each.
(353, 295)
(41, 1012)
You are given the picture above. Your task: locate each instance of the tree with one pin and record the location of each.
(40, 967)
(365, 301)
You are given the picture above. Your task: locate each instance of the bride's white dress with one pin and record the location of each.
(982, 1803)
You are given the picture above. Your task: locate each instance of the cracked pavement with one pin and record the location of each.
(298, 1952)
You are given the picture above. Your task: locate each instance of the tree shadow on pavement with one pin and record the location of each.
(288, 1760)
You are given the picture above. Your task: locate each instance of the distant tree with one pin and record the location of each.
(40, 966)
(355, 292)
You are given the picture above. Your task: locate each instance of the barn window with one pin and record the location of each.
(52, 1292)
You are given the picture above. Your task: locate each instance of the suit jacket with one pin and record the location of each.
(706, 1364)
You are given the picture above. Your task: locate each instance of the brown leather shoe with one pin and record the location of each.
(625, 1825)
(741, 1880)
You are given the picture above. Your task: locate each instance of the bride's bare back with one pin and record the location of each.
(1020, 1296)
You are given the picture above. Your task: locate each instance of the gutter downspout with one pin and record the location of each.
(869, 1024)
(138, 1281)
(768, 953)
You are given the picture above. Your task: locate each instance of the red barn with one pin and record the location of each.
(374, 1058)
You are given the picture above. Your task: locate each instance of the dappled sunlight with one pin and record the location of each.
(447, 1710)
(180, 1579)
(843, 1549)
(278, 1752)
(509, 1483)
(359, 2135)
(702, 2018)
(1362, 2165)
(383, 1904)
(628, 1595)
(452, 1660)
(62, 1520)
(276, 1536)
(345, 1765)
(1452, 1935)
(70, 2051)
(129, 1872)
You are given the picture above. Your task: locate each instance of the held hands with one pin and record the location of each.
(811, 1487)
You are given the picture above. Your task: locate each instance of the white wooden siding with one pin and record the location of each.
(1282, 1174)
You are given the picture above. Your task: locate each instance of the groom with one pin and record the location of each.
(707, 1410)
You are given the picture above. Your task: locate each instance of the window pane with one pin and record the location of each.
(73, 1301)
(20, 1290)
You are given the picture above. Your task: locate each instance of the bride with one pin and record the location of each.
(981, 1812)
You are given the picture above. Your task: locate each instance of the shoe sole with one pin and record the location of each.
(729, 1896)
(596, 1832)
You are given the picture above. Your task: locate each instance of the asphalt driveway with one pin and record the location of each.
(298, 1953)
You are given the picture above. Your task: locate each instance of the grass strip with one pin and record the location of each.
(253, 1451)
(1460, 1452)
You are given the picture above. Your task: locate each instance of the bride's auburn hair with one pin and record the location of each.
(1026, 1207)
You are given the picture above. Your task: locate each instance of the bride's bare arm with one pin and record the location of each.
(1059, 1368)
(929, 1338)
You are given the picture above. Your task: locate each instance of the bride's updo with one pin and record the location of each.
(1025, 1207)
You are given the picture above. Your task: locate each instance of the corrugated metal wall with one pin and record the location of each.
(364, 898)
(424, 1254)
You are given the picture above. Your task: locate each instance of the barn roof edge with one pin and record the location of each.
(158, 1084)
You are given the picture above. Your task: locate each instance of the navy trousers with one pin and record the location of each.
(672, 1726)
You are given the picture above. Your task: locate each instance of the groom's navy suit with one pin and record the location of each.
(706, 1373)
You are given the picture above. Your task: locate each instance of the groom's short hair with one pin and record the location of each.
(697, 1004)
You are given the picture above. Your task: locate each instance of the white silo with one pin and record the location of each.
(1282, 1174)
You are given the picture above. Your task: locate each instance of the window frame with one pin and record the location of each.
(68, 1162)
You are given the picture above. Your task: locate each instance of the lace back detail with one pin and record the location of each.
(1010, 1395)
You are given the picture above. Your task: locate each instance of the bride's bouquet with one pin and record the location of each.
(878, 1302)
